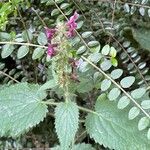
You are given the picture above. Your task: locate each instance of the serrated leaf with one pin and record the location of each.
(7, 50)
(37, 53)
(105, 50)
(138, 93)
(145, 104)
(142, 36)
(127, 81)
(117, 73)
(112, 128)
(42, 39)
(48, 85)
(22, 51)
(123, 102)
(134, 112)
(105, 85)
(114, 94)
(20, 108)
(81, 146)
(66, 123)
(143, 123)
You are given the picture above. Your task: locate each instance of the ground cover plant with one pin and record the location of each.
(75, 74)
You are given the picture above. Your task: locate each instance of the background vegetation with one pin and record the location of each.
(109, 104)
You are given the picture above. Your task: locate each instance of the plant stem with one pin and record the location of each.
(1, 72)
(26, 44)
(79, 107)
(115, 83)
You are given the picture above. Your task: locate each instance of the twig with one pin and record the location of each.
(115, 83)
(21, 18)
(133, 4)
(44, 24)
(5, 74)
(26, 44)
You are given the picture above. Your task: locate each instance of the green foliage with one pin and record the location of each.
(106, 55)
(21, 108)
(112, 128)
(81, 146)
(142, 36)
(66, 123)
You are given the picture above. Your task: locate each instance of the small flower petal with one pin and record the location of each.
(49, 32)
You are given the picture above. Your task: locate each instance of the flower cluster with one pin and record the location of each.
(71, 26)
(51, 47)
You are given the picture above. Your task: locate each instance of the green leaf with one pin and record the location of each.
(66, 123)
(114, 62)
(105, 50)
(148, 134)
(55, 12)
(22, 51)
(48, 85)
(117, 73)
(143, 123)
(105, 85)
(81, 50)
(95, 57)
(86, 34)
(114, 94)
(138, 93)
(27, 35)
(37, 53)
(81, 146)
(112, 128)
(93, 44)
(134, 112)
(142, 36)
(145, 104)
(106, 65)
(127, 81)
(42, 39)
(123, 102)
(113, 52)
(64, 5)
(7, 50)
(20, 108)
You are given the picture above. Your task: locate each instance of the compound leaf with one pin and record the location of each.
(111, 127)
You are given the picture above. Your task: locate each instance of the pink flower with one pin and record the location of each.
(51, 49)
(72, 25)
(49, 32)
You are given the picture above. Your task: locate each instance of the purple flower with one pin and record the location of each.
(72, 25)
(51, 49)
(49, 32)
